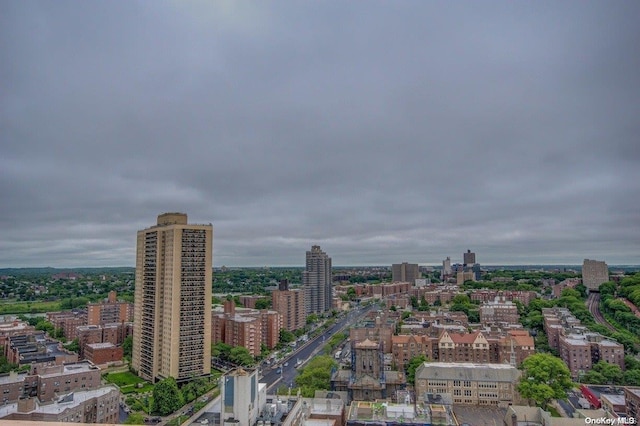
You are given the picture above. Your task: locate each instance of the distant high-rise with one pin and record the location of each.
(594, 273)
(469, 258)
(172, 306)
(446, 267)
(316, 281)
(405, 272)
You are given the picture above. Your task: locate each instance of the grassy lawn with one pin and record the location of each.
(20, 307)
(128, 382)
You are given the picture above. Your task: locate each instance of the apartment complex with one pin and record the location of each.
(290, 303)
(511, 347)
(405, 272)
(499, 312)
(469, 383)
(49, 382)
(316, 281)
(578, 347)
(85, 406)
(172, 307)
(109, 312)
(249, 328)
(68, 321)
(594, 273)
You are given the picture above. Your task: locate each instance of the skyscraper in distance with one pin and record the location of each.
(316, 281)
(405, 272)
(172, 305)
(469, 258)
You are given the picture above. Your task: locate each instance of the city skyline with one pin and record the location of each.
(384, 134)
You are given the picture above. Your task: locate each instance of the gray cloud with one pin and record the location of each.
(385, 133)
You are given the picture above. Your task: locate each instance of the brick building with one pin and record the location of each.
(469, 383)
(68, 321)
(86, 406)
(480, 346)
(499, 312)
(578, 347)
(50, 381)
(103, 353)
(290, 303)
(109, 312)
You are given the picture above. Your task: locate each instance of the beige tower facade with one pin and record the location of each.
(594, 273)
(172, 307)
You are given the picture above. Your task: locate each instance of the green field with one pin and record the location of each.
(19, 307)
(128, 382)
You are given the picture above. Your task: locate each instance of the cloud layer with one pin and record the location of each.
(384, 132)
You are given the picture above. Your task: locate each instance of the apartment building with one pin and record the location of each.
(12, 327)
(524, 297)
(317, 282)
(499, 312)
(49, 382)
(68, 321)
(578, 347)
(246, 327)
(469, 383)
(85, 406)
(36, 348)
(405, 272)
(594, 273)
(290, 303)
(632, 402)
(172, 299)
(512, 346)
(110, 311)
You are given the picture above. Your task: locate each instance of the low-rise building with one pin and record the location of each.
(469, 383)
(86, 406)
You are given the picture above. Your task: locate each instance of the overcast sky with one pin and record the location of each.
(382, 131)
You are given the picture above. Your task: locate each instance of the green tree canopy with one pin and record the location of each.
(315, 375)
(167, 398)
(241, 356)
(412, 366)
(263, 303)
(544, 377)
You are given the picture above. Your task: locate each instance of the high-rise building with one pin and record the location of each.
(172, 306)
(446, 267)
(469, 258)
(316, 281)
(594, 273)
(405, 272)
(290, 303)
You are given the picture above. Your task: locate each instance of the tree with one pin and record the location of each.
(612, 373)
(544, 377)
(632, 378)
(263, 303)
(241, 356)
(135, 419)
(73, 346)
(412, 366)
(315, 375)
(286, 336)
(167, 398)
(127, 346)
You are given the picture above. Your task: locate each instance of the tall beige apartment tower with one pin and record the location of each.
(594, 273)
(172, 306)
